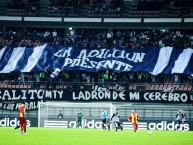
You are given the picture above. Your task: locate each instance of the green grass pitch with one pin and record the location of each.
(59, 136)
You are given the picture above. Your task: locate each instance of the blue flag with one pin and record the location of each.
(166, 60)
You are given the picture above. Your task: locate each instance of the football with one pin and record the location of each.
(149, 132)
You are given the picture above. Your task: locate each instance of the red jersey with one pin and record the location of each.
(133, 117)
(22, 111)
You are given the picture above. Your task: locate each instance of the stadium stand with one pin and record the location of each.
(98, 8)
(109, 8)
(126, 35)
(64, 8)
(98, 38)
(146, 9)
(180, 8)
(21, 8)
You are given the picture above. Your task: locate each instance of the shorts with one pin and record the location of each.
(22, 121)
(134, 124)
(180, 122)
(117, 124)
(79, 120)
(104, 121)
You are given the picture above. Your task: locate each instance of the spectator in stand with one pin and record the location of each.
(42, 76)
(60, 114)
(96, 39)
(106, 76)
(176, 80)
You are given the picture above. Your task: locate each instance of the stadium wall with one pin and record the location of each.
(146, 102)
(96, 124)
(10, 98)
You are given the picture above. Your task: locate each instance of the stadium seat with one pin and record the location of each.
(134, 87)
(181, 87)
(156, 87)
(189, 87)
(12, 86)
(152, 87)
(21, 86)
(169, 85)
(4, 85)
(148, 87)
(60, 87)
(110, 87)
(9, 86)
(160, 87)
(186, 87)
(165, 87)
(41, 86)
(17, 86)
(130, 87)
(25, 86)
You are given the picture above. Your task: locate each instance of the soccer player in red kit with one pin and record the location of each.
(133, 117)
(22, 118)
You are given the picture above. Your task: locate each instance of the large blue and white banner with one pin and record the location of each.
(165, 60)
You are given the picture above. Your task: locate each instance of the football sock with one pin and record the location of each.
(178, 127)
(17, 127)
(108, 127)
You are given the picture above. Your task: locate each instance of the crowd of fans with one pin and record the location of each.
(95, 38)
(94, 77)
(99, 38)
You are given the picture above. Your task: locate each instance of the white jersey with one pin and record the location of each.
(180, 116)
(115, 117)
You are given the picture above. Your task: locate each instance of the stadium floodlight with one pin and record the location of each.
(92, 112)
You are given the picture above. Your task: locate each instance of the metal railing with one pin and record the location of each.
(157, 112)
(73, 86)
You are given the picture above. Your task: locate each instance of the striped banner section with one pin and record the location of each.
(2, 51)
(141, 125)
(182, 61)
(163, 60)
(34, 58)
(15, 56)
(57, 124)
